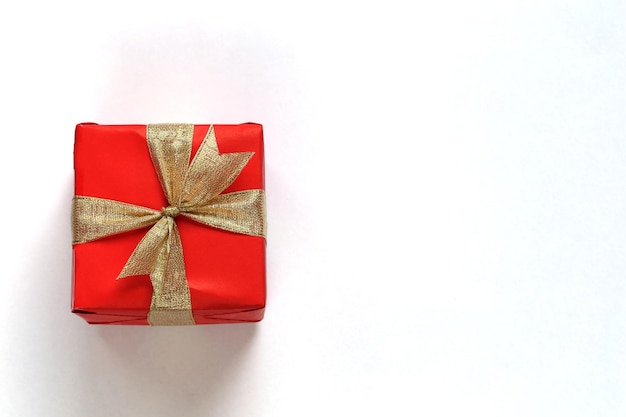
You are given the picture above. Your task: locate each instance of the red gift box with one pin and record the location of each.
(225, 271)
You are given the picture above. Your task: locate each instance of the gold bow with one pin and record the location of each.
(192, 190)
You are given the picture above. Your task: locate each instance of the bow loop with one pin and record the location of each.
(210, 172)
(236, 212)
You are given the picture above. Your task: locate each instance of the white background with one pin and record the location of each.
(446, 185)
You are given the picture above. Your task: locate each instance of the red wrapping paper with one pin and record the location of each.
(225, 270)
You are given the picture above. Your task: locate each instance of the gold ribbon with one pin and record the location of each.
(192, 190)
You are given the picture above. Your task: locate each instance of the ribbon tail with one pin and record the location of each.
(160, 255)
(146, 256)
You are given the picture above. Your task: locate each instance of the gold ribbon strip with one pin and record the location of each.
(192, 190)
